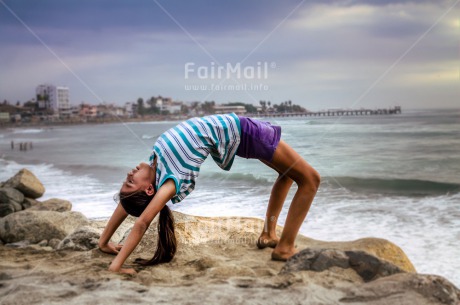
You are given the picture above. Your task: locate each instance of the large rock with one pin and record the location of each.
(26, 182)
(210, 266)
(8, 194)
(82, 239)
(6, 209)
(366, 265)
(197, 230)
(29, 202)
(35, 226)
(53, 204)
(404, 288)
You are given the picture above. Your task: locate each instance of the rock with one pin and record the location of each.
(53, 204)
(19, 244)
(330, 258)
(82, 239)
(218, 272)
(29, 202)
(54, 243)
(6, 209)
(43, 243)
(17, 206)
(404, 288)
(366, 265)
(383, 249)
(26, 182)
(370, 267)
(35, 226)
(8, 194)
(379, 247)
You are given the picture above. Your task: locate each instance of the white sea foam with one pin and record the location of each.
(147, 137)
(21, 131)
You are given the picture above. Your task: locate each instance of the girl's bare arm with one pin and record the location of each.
(164, 194)
(118, 216)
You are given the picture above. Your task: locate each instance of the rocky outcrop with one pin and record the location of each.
(21, 191)
(29, 202)
(217, 261)
(35, 226)
(82, 239)
(26, 182)
(10, 194)
(10, 200)
(53, 204)
(368, 266)
(404, 288)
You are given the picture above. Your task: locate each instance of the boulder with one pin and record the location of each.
(54, 243)
(6, 209)
(35, 226)
(26, 182)
(43, 243)
(404, 288)
(369, 267)
(82, 239)
(8, 194)
(29, 202)
(378, 247)
(53, 204)
(17, 206)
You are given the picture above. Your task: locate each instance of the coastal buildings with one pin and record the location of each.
(53, 99)
(239, 110)
(166, 105)
(52, 105)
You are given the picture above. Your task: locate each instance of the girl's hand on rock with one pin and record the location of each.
(127, 271)
(110, 248)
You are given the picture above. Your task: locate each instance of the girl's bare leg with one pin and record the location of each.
(289, 163)
(277, 197)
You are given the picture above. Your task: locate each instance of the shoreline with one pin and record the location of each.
(89, 122)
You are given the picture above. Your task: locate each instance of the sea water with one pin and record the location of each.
(389, 176)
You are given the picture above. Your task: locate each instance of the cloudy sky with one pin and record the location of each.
(319, 54)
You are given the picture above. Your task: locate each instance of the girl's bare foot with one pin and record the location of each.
(265, 241)
(283, 256)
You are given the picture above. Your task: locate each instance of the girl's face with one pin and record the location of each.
(139, 178)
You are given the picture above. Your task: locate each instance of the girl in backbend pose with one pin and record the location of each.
(175, 164)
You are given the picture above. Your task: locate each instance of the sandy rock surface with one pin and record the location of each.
(217, 263)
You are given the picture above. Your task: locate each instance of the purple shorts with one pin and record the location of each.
(258, 139)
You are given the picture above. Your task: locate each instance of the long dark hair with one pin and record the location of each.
(134, 204)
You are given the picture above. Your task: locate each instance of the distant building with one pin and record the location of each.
(241, 110)
(173, 107)
(88, 111)
(167, 104)
(50, 97)
(4, 117)
(130, 109)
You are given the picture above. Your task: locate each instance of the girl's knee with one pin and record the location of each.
(310, 181)
(315, 178)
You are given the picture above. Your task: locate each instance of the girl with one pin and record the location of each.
(174, 165)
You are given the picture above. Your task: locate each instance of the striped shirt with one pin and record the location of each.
(182, 149)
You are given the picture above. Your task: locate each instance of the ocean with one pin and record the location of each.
(389, 176)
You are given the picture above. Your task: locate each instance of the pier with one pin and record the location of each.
(335, 112)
